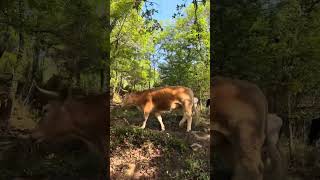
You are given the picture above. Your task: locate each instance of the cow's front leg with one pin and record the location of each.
(158, 116)
(145, 115)
(249, 163)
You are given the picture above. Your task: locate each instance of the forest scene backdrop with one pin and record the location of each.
(275, 44)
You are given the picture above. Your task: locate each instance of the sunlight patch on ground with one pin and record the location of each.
(135, 162)
(21, 117)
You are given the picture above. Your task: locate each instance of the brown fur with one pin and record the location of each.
(84, 119)
(238, 120)
(162, 99)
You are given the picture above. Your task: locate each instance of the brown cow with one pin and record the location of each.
(238, 123)
(162, 99)
(83, 118)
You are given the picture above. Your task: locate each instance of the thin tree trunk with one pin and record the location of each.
(290, 127)
(102, 80)
(35, 62)
(21, 39)
(76, 71)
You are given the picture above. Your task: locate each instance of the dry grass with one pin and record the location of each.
(305, 160)
(22, 116)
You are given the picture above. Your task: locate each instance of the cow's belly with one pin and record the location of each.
(168, 106)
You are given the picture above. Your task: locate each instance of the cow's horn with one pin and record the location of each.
(47, 92)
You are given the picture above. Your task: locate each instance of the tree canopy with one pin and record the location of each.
(146, 53)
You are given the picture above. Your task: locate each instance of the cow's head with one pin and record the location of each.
(49, 94)
(54, 123)
(128, 100)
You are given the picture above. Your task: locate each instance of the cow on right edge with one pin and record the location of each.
(239, 120)
(314, 134)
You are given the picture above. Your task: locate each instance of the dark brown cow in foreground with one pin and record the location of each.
(83, 118)
(162, 99)
(238, 120)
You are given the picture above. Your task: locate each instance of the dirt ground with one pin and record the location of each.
(152, 154)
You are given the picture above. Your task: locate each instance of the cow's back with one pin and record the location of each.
(237, 102)
(164, 98)
(89, 114)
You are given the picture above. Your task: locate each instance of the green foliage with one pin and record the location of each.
(195, 168)
(70, 34)
(137, 52)
(131, 48)
(186, 51)
(277, 48)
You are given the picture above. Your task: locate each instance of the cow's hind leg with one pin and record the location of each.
(248, 164)
(276, 172)
(188, 113)
(158, 116)
(183, 120)
(189, 120)
(187, 116)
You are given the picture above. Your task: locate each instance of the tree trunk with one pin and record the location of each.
(4, 42)
(290, 127)
(78, 79)
(35, 62)
(154, 74)
(42, 55)
(102, 80)
(76, 71)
